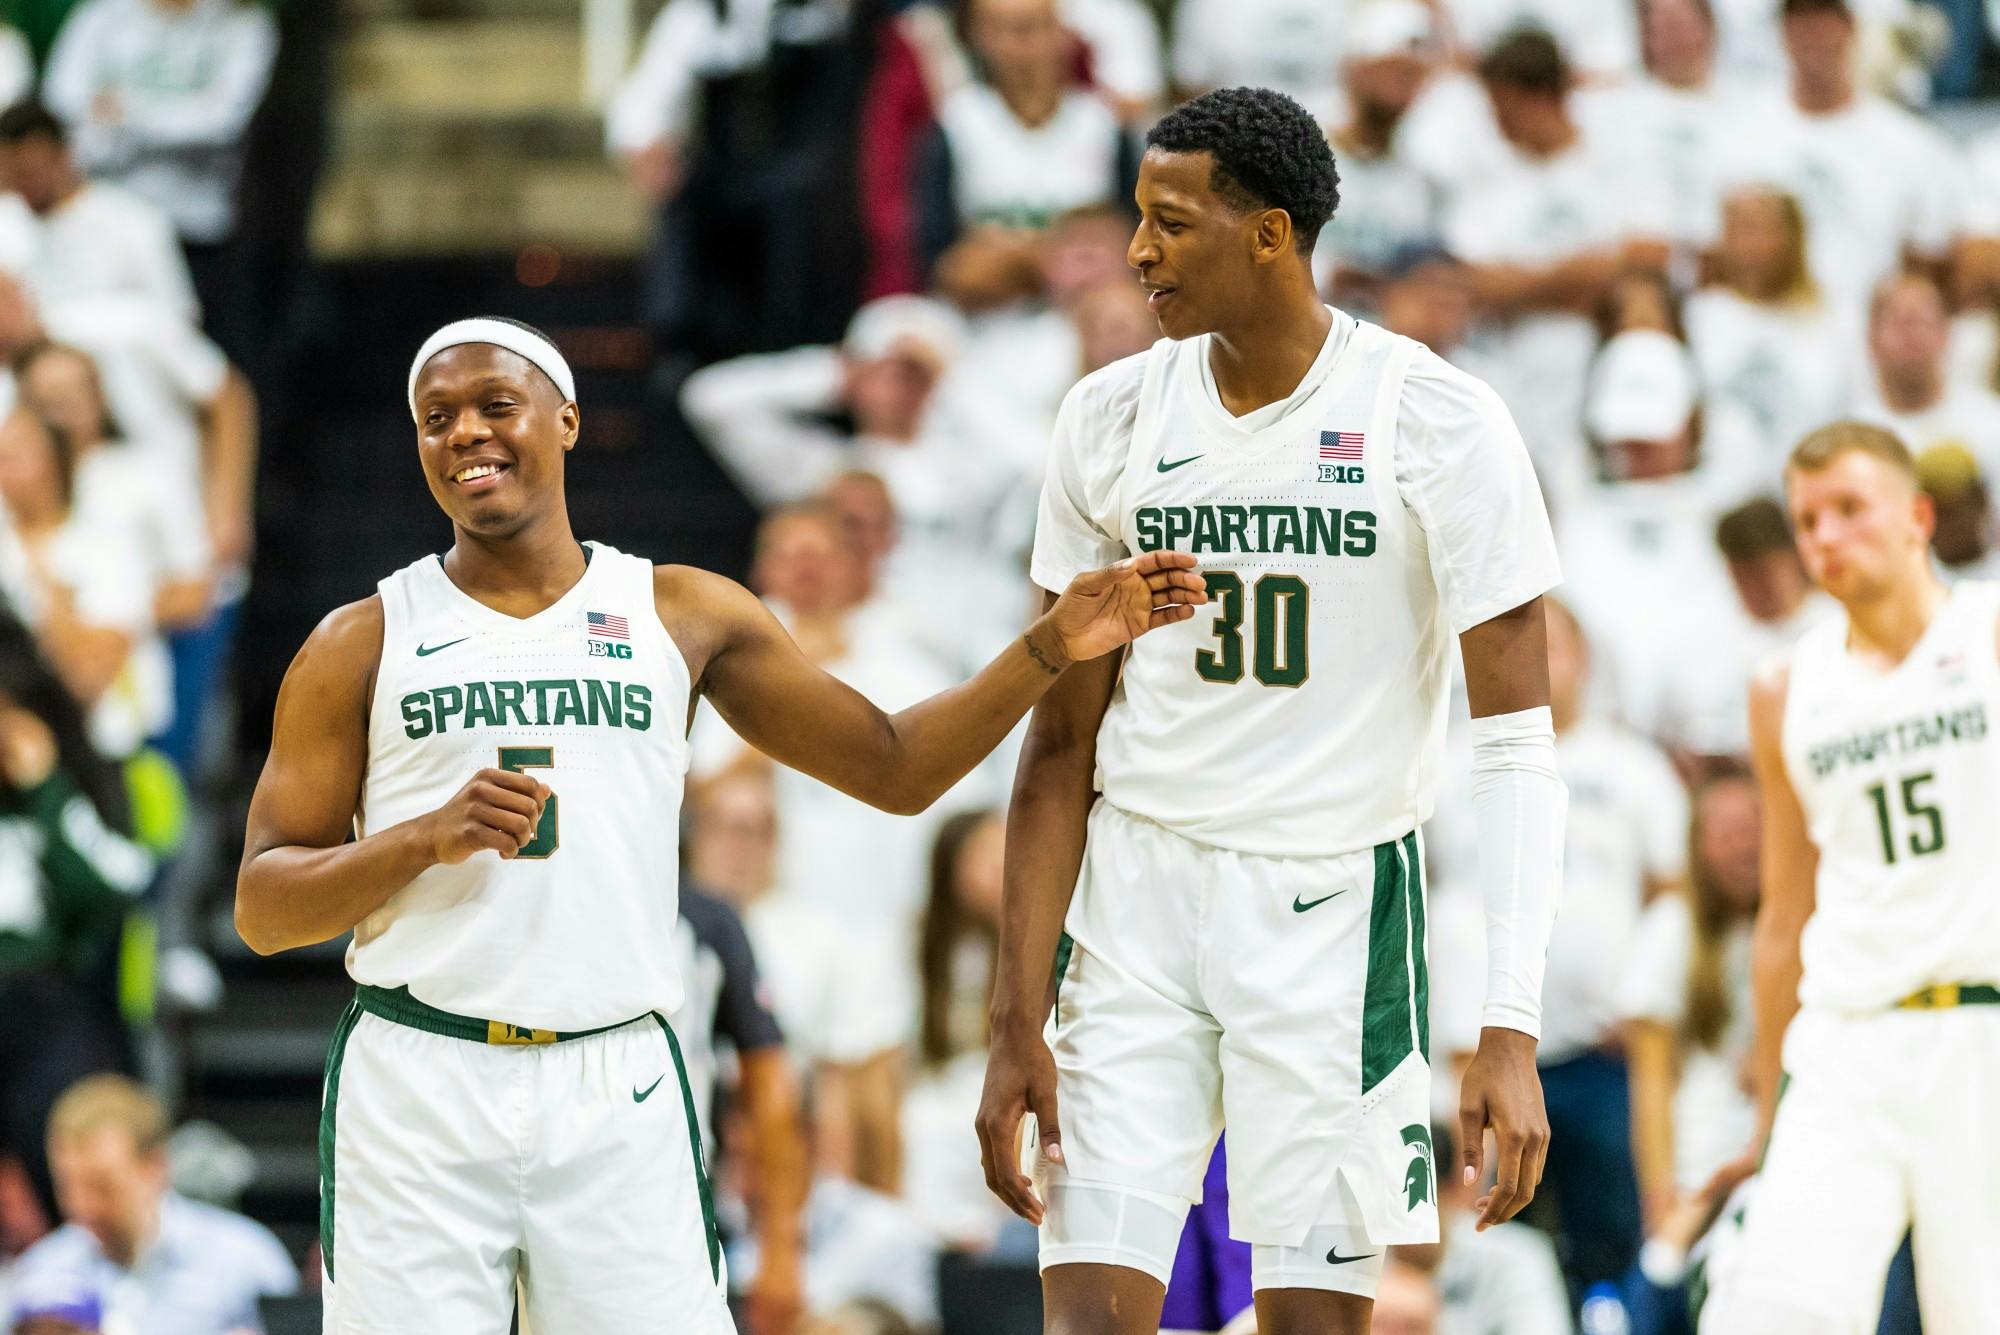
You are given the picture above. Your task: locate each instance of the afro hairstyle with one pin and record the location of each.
(1269, 154)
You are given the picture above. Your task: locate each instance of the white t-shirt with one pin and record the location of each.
(1387, 501)
(1387, 202)
(1645, 581)
(942, 1182)
(1628, 823)
(1124, 41)
(1504, 1281)
(1965, 415)
(102, 241)
(1290, 45)
(186, 81)
(1786, 370)
(1872, 180)
(1675, 136)
(100, 556)
(1704, 703)
(1540, 211)
(1713, 1118)
(1016, 175)
(1749, 44)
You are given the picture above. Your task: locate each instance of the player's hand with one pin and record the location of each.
(497, 809)
(1502, 1090)
(1103, 609)
(1020, 1078)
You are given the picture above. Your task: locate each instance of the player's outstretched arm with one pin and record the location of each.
(781, 703)
(1790, 863)
(1046, 824)
(301, 881)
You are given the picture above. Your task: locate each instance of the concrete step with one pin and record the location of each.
(464, 66)
(434, 209)
(378, 132)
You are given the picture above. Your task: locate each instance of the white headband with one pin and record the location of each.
(500, 334)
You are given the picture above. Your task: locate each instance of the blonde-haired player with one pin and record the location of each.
(1877, 957)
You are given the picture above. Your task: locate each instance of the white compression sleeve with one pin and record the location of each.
(1518, 804)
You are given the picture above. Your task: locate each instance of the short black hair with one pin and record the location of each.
(1269, 154)
(28, 118)
(1791, 7)
(1753, 529)
(1528, 59)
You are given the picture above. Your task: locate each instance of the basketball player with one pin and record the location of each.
(1877, 952)
(1246, 939)
(503, 729)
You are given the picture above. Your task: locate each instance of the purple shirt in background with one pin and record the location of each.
(1211, 1279)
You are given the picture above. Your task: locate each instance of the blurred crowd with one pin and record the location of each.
(1675, 234)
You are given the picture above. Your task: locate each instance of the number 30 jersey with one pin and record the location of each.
(1896, 772)
(1347, 534)
(590, 696)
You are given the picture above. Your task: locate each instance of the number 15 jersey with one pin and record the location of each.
(1347, 534)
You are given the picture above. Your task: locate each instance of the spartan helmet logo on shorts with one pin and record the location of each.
(1417, 1178)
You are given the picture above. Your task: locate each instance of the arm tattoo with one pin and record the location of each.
(1034, 652)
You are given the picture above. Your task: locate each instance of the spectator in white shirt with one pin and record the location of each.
(1675, 119)
(1909, 333)
(93, 590)
(1687, 1004)
(1626, 842)
(68, 237)
(1601, 37)
(1543, 239)
(1293, 46)
(1387, 202)
(1704, 710)
(1880, 187)
(1013, 150)
(160, 95)
(1766, 343)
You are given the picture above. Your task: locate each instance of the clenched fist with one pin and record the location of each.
(497, 809)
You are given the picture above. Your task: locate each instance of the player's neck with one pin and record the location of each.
(1822, 97)
(522, 573)
(1264, 361)
(1884, 630)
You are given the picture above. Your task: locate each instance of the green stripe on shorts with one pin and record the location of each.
(334, 1056)
(1391, 1023)
(1065, 947)
(1419, 953)
(694, 1147)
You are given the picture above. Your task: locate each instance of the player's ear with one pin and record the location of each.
(571, 419)
(1926, 510)
(1273, 237)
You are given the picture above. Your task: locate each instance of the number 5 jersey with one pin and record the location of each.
(590, 696)
(1347, 533)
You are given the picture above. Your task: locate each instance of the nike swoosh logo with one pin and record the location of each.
(637, 1097)
(426, 650)
(1300, 905)
(1166, 467)
(1335, 1258)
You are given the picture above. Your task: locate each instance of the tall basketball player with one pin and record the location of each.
(1877, 954)
(502, 732)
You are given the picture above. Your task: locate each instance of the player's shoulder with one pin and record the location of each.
(1436, 390)
(1108, 398)
(346, 644)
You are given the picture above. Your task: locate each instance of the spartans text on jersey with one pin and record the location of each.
(554, 702)
(1966, 724)
(1310, 530)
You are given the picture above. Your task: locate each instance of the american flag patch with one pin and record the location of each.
(1340, 444)
(606, 626)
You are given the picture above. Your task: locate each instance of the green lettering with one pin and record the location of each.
(446, 701)
(1286, 539)
(638, 707)
(569, 703)
(1234, 517)
(605, 707)
(416, 716)
(1360, 530)
(1322, 531)
(479, 705)
(1179, 523)
(507, 696)
(1148, 520)
(1264, 513)
(541, 690)
(1206, 536)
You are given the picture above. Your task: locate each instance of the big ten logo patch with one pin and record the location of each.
(605, 649)
(1348, 473)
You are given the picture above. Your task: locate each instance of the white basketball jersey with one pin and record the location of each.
(1304, 713)
(590, 696)
(1897, 773)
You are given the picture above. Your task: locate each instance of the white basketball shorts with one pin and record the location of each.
(459, 1158)
(1285, 998)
